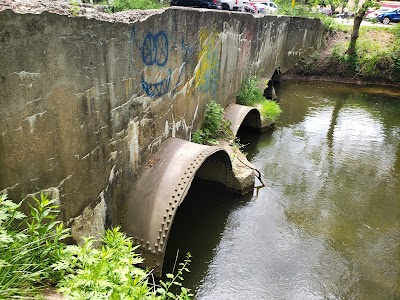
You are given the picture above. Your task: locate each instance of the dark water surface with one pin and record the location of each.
(327, 226)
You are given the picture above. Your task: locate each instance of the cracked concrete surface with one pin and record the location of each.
(83, 100)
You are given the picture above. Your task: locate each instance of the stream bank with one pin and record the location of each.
(377, 60)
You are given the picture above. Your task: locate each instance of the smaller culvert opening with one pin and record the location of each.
(215, 168)
(251, 122)
(198, 225)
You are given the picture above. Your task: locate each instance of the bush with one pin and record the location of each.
(214, 127)
(32, 256)
(250, 94)
(121, 5)
(110, 272)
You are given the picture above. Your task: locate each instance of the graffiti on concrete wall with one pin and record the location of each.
(207, 72)
(155, 52)
(157, 78)
(155, 49)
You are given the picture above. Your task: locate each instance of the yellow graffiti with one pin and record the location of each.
(207, 71)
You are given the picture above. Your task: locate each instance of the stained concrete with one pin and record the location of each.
(84, 102)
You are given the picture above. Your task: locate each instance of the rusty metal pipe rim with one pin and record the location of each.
(161, 188)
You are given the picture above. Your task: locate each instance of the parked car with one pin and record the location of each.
(271, 6)
(326, 11)
(389, 16)
(231, 4)
(212, 4)
(248, 7)
(372, 15)
(254, 7)
(345, 15)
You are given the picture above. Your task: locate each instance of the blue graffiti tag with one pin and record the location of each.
(158, 88)
(155, 49)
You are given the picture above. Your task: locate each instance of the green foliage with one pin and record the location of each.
(301, 10)
(74, 8)
(105, 273)
(32, 256)
(251, 95)
(109, 272)
(270, 110)
(214, 127)
(373, 58)
(176, 279)
(28, 249)
(121, 5)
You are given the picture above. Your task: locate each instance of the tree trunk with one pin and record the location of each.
(356, 27)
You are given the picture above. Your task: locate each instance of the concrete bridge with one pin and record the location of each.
(99, 113)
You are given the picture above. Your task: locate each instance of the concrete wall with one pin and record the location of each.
(83, 102)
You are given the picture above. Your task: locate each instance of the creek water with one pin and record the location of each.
(326, 226)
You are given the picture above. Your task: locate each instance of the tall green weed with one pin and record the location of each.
(215, 126)
(29, 246)
(32, 256)
(109, 272)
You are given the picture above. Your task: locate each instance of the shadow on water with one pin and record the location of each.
(250, 139)
(197, 227)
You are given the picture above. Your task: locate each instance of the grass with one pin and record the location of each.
(269, 109)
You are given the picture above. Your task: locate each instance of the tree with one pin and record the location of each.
(356, 27)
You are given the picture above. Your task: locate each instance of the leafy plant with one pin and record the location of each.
(214, 127)
(74, 8)
(28, 249)
(175, 279)
(105, 273)
(110, 272)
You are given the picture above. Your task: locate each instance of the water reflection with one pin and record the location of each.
(197, 227)
(328, 224)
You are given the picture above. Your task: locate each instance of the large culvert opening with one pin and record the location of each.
(198, 225)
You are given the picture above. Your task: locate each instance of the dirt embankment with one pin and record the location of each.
(325, 65)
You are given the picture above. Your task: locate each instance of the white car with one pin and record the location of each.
(231, 4)
(271, 6)
(254, 7)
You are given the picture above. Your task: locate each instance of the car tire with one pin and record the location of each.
(386, 20)
(225, 6)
